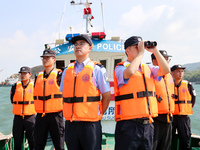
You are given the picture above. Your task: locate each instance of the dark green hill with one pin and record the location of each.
(192, 66)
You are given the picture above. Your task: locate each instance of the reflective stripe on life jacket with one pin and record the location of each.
(183, 103)
(164, 93)
(81, 97)
(136, 99)
(47, 96)
(23, 103)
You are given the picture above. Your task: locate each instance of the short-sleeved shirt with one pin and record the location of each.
(99, 78)
(119, 72)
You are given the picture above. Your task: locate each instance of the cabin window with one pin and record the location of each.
(116, 62)
(60, 64)
(103, 62)
(71, 61)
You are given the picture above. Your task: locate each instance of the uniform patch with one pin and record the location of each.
(85, 78)
(194, 92)
(105, 76)
(171, 81)
(184, 90)
(51, 81)
(148, 73)
(30, 91)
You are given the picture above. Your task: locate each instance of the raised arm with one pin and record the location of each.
(135, 55)
(162, 63)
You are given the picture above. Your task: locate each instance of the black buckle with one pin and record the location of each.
(146, 122)
(174, 96)
(142, 121)
(144, 94)
(159, 99)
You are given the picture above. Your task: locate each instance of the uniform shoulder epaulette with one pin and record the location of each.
(100, 65)
(14, 84)
(59, 72)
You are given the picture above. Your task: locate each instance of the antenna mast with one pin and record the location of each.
(102, 16)
(62, 18)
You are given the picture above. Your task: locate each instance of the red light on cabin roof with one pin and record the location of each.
(98, 35)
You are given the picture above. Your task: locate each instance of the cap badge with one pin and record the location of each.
(139, 39)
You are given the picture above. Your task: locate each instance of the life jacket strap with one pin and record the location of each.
(183, 102)
(124, 97)
(80, 99)
(139, 95)
(24, 102)
(44, 98)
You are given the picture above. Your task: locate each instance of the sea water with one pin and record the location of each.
(6, 116)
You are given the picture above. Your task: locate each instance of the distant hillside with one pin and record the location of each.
(192, 66)
(192, 72)
(35, 70)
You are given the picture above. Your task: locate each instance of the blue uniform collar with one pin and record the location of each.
(84, 63)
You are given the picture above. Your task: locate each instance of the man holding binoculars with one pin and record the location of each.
(135, 99)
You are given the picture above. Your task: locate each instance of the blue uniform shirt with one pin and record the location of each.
(119, 72)
(99, 79)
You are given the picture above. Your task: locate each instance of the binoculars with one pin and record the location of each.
(150, 44)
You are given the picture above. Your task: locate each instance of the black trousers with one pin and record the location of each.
(133, 135)
(162, 135)
(19, 126)
(83, 135)
(52, 123)
(182, 124)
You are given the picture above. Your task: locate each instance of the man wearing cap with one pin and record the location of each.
(164, 93)
(21, 96)
(82, 84)
(184, 101)
(48, 104)
(135, 101)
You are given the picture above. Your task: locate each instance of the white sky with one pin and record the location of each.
(26, 25)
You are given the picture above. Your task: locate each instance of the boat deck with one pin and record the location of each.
(6, 143)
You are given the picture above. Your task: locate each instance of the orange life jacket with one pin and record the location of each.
(47, 96)
(164, 93)
(183, 103)
(137, 98)
(81, 97)
(23, 103)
